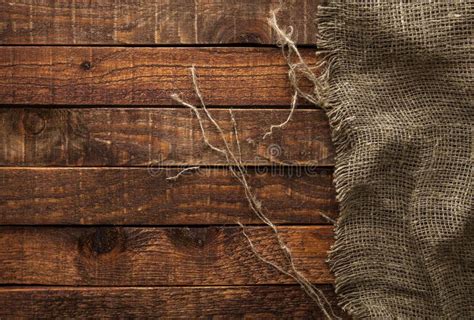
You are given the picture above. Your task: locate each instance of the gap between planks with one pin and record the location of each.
(197, 46)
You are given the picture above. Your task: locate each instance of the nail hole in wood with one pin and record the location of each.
(86, 65)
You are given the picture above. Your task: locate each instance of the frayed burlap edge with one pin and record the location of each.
(325, 95)
(328, 47)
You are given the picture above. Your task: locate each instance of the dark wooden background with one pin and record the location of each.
(90, 227)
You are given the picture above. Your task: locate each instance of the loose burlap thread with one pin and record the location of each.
(400, 77)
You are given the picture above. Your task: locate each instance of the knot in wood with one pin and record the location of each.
(33, 123)
(103, 240)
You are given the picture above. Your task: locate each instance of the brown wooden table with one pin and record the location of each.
(90, 226)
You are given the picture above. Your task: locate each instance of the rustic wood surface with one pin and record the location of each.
(89, 225)
(143, 196)
(143, 137)
(144, 76)
(223, 302)
(125, 256)
(151, 22)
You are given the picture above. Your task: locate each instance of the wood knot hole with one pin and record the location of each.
(33, 123)
(86, 65)
(104, 240)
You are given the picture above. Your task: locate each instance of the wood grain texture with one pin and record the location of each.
(227, 302)
(147, 22)
(144, 76)
(143, 137)
(56, 221)
(141, 196)
(158, 256)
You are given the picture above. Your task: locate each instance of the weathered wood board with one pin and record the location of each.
(144, 196)
(150, 22)
(155, 136)
(221, 302)
(125, 256)
(144, 76)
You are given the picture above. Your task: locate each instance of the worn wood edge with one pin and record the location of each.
(145, 76)
(144, 196)
(220, 301)
(149, 23)
(159, 137)
(158, 256)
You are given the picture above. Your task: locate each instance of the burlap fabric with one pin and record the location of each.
(400, 100)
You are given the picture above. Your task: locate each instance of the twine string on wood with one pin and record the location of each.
(238, 171)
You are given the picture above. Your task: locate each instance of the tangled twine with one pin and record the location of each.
(297, 71)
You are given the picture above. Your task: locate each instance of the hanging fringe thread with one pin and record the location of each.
(298, 70)
(238, 171)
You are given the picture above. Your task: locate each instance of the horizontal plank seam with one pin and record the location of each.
(167, 226)
(62, 287)
(164, 226)
(307, 107)
(124, 45)
(202, 166)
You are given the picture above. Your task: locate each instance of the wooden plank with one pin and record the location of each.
(144, 76)
(141, 196)
(158, 256)
(151, 22)
(229, 302)
(143, 137)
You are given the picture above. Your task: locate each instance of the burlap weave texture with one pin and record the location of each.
(401, 107)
